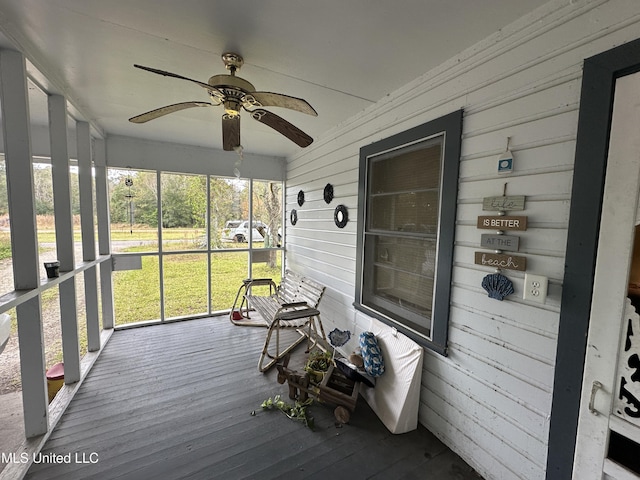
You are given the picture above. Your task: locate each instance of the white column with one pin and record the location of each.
(64, 235)
(14, 101)
(83, 137)
(160, 257)
(61, 181)
(104, 233)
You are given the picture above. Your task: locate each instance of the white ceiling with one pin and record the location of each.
(341, 56)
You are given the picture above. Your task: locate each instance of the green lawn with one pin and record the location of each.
(137, 292)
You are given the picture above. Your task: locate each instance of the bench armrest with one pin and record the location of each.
(294, 305)
(297, 314)
(258, 281)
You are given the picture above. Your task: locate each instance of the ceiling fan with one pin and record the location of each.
(234, 94)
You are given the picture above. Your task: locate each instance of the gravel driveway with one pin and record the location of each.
(10, 357)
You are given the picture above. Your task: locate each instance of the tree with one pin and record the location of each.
(140, 198)
(267, 207)
(43, 189)
(222, 195)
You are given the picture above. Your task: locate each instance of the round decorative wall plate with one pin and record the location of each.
(341, 216)
(328, 193)
(294, 216)
(300, 198)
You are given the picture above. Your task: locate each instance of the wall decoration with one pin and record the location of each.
(300, 198)
(500, 242)
(505, 160)
(497, 286)
(341, 216)
(498, 260)
(328, 193)
(504, 203)
(294, 216)
(502, 222)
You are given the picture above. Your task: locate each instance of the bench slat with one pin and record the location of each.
(293, 288)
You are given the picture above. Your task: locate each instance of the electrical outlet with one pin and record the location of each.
(535, 288)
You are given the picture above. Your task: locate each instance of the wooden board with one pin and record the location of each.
(497, 260)
(502, 222)
(176, 401)
(500, 242)
(503, 204)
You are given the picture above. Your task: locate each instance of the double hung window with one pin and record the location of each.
(408, 190)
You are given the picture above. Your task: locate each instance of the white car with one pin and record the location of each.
(238, 231)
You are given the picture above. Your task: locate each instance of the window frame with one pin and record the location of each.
(450, 128)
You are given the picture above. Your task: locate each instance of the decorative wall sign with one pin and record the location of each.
(328, 193)
(510, 243)
(497, 286)
(505, 162)
(498, 260)
(502, 222)
(294, 216)
(300, 198)
(503, 204)
(341, 216)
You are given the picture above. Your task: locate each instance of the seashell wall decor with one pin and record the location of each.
(497, 286)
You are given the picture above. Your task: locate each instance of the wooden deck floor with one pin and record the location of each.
(175, 401)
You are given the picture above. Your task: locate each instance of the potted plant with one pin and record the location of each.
(318, 364)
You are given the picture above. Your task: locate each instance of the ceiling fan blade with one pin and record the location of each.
(279, 124)
(230, 131)
(159, 112)
(270, 99)
(213, 90)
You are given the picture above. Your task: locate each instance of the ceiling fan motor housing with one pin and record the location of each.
(234, 89)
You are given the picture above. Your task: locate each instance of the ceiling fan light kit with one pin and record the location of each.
(235, 93)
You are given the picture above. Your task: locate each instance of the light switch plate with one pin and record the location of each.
(535, 288)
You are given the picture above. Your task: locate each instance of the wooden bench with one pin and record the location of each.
(292, 305)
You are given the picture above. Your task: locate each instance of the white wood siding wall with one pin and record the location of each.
(490, 399)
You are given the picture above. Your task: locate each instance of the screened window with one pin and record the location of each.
(408, 194)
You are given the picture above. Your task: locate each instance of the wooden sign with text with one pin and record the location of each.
(500, 242)
(515, 202)
(498, 260)
(502, 222)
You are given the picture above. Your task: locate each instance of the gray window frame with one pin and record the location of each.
(450, 128)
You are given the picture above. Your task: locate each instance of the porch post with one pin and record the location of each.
(104, 233)
(64, 235)
(14, 101)
(85, 179)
